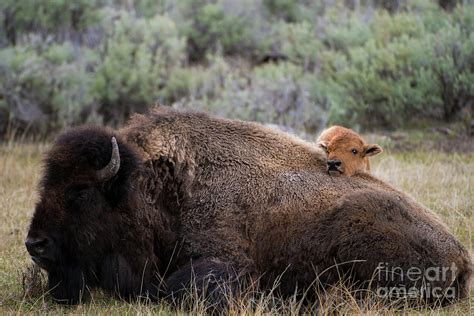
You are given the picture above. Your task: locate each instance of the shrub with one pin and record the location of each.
(288, 10)
(298, 41)
(45, 86)
(210, 28)
(344, 32)
(275, 93)
(376, 85)
(366, 64)
(65, 19)
(183, 83)
(408, 70)
(137, 58)
(452, 64)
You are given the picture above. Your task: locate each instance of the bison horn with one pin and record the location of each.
(113, 166)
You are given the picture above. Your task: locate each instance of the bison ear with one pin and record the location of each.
(372, 150)
(323, 145)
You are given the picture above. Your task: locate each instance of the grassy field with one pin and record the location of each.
(444, 182)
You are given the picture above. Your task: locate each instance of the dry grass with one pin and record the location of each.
(443, 182)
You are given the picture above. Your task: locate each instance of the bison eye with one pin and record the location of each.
(354, 151)
(82, 199)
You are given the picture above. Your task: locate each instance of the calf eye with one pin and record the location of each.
(354, 151)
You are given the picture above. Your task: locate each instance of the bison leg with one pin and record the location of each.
(119, 278)
(68, 285)
(210, 280)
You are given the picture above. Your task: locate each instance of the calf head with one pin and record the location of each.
(347, 152)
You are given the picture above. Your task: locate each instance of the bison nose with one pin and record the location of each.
(37, 246)
(334, 164)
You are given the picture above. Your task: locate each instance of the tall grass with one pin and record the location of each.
(443, 182)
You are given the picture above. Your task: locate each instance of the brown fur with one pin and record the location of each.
(234, 196)
(348, 147)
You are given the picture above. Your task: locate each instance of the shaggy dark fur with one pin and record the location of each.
(234, 197)
(88, 226)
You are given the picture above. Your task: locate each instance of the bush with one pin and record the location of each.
(452, 64)
(210, 29)
(183, 82)
(376, 86)
(62, 18)
(137, 58)
(365, 64)
(288, 10)
(408, 78)
(347, 31)
(45, 86)
(299, 42)
(278, 94)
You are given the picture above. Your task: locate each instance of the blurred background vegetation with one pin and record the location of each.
(367, 64)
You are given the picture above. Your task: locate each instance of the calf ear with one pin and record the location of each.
(322, 144)
(372, 150)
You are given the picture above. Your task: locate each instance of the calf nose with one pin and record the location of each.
(36, 246)
(334, 164)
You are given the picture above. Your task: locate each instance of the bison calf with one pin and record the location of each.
(347, 152)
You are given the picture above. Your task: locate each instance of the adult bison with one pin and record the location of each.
(178, 192)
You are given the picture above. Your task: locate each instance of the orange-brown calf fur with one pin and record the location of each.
(348, 147)
(228, 196)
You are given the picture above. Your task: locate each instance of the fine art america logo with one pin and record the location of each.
(414, 282)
